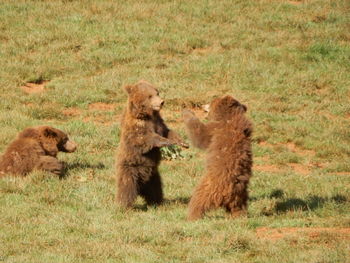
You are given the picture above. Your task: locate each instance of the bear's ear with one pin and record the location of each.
(244, 107)
(129, 89)
(28, 133)
(49, 132)
(229, 101)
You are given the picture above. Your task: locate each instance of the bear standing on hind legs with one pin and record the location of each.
(227, 138)
(143, 132)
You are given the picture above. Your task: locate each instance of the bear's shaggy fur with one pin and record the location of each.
(229, 157)
(143, 132)
(36, 148)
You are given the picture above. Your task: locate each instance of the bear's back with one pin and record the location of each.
(21, 156)
(230, 149)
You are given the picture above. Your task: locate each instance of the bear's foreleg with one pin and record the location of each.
(197, 131)
(173, 136)
(160, 141)
(50, 164)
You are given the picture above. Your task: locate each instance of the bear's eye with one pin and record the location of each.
(150, 96)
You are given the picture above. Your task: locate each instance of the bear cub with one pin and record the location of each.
(227, 139)
(36, 148)
(143, 132)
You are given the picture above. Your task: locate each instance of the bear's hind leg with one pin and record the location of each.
(201, 202)
(127, 191)
(152, 191)
(238, 206)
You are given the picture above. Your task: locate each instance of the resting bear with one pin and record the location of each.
(143, 132)
(227, 138)
(36, 148)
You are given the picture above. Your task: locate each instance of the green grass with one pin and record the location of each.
(289, 63)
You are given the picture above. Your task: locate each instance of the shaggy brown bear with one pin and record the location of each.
(36, 148)
(227, 138)
(143, 132)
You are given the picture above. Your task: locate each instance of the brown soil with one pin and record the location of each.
(342, 173)
(102, 106)
(99, 106)
(72, 112)
(202, 51)
(175, 120)
(291, 147)
(31, 88)
(295, 2)
(99, 120)
(267, 168)
(299, 168)
(278, 233)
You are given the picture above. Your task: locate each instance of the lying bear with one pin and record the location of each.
(36, 148)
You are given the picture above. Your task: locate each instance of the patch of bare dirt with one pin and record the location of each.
(72, 112)
(267, 168)
(99, 120)
(31, 87)
(295, 2)
(342, 173)
(174, 118)
(202, 51)
(299, 168)
(95, 113)
(279, 233)
(293, 148)
(102, 106)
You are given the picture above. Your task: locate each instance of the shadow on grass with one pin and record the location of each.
(276, 193)
(177, 200)
(84, 165)
(80, 165)
(143, 207)
(309, 204)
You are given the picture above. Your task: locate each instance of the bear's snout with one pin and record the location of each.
(70, 146)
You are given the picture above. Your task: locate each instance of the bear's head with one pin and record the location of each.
(224, 108)
(52, 140)
(143, 100)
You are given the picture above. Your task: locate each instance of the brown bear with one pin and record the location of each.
(36, 148)
(227, 138)
(143, 132)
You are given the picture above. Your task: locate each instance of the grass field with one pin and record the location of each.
(288, 61)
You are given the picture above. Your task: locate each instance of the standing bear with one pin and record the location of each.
(227, 138)
(36, 148)
(143, 132)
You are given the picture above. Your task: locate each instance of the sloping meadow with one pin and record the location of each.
(64, 63)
